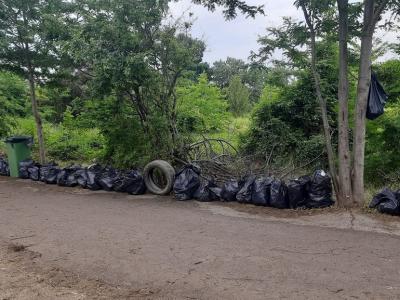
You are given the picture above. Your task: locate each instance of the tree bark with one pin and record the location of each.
(36, 115)
(364, 80)
(321, 100)
(345, 197)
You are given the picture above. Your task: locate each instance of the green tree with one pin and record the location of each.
(13, 96)
(252, 75)
(128, 53)
(27, 31)
(238, 97)
(201, 107)
(321, 20)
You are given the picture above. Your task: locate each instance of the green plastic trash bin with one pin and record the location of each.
(18, 149)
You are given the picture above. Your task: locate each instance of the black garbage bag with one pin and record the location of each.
(67, 176)
(23, 168)
(320, 191)
(245, 193)
(108, 178)
(229, 190)
(386, 201)
(278, 195)
(376, 98)
(208, 191)
(81, 177)
(298, 191)
(49, 172)
(93, 176)
(34, 172)
(4, 168)
(132, 182)
(261, 191)
(187, 181)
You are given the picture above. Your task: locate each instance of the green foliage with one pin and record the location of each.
(125, 142)
(287, 121)
(13, 97)
(382, 148)
(201, 107)
(270, 94)
(252, 75)
(238, 97)
(134, 58)
(231, 7)
(388, 74)
(27, 32)
(65, 143)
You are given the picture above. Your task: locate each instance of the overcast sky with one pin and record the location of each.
(236, 38)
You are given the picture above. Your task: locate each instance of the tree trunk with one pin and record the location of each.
(364, 80)
(344, 197)
(36, 114)
(321, 101)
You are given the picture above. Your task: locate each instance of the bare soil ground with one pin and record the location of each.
(67, 243)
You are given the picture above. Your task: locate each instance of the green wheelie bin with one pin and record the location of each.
(18, 149)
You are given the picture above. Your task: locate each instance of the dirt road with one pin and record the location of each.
(99, 245)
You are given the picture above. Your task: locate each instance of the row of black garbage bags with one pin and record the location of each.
(306, 191)
(94, 177)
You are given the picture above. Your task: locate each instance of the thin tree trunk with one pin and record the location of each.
(36, 114)
(345, 198)
(364, 80)
(321, 101)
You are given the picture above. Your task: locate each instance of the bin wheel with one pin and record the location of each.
(166, 177)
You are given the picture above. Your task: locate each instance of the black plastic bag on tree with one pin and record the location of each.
(230, 190)
(49, 172)
(67, 176)
(81, 177)
(261, 191)
(278, 195)
(187, 181)
(4, 168)
(320, 191)
(34, 172)
(386, 201)
(298, 191)
(131, 182)
(245, 193)
(93, 176)
(376, 98)
(23, 168)
(207, 191)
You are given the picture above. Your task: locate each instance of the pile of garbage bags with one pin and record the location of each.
(4, 169)
(305, 192)
(387, 202)
(95, 177)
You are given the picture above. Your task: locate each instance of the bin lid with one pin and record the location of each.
(19, 139)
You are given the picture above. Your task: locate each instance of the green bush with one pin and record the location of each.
(382, 163)
(201, 107)
(287, 121)
(64, 144)
(13, 98)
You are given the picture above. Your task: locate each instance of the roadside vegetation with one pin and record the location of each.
(119, 82)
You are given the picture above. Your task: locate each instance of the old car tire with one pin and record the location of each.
(168, 173)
